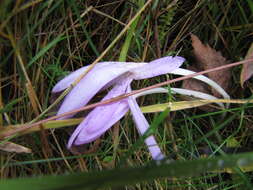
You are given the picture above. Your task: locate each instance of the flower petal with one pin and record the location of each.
(92, 83)
(182, 91)
(196, 94)
(101, 118)
(68, 80)
(202, 78)
(142, 126)
(157, 67)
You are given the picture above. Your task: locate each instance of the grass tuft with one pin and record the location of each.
(41, 41)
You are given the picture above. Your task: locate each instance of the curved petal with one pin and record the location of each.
(142, 126)
(196, 94)
(100, 119)
(69, 79)
(92, 83)
(157, 67)
(182, 91)
(202, 78)
(98, 123)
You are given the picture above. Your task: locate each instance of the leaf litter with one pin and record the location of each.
(208, 58)
(13, 147)
(247, 69)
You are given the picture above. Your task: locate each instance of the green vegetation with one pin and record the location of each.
(42, 40)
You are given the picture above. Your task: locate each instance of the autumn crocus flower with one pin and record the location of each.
(103, 75)
(119, 75)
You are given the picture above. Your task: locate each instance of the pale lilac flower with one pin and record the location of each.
(120, 75)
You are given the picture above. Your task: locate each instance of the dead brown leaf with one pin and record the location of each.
(208, 58)
(12, 147)
(247, 69)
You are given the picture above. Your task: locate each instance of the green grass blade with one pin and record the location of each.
(127, 43)
(127, 176)
(86, 33)
(250, 2)
(8, 107)
(45, 49)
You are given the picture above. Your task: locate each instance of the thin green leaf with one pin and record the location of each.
(128, 176)
(45, 49)
(8, 107)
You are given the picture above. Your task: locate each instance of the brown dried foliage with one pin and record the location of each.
(13, 147)
(208, 58)
(247, 69)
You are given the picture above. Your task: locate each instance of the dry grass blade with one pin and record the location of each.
(48, 125)
(12, 147)
(182, 105)
(173, 106)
